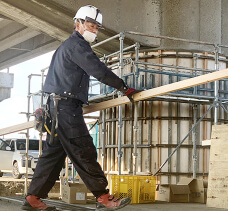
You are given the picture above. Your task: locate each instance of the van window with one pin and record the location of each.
(33, 144)
(3, 145)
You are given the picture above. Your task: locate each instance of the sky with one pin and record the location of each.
(10, 108)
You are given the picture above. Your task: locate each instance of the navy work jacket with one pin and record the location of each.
(72, 64)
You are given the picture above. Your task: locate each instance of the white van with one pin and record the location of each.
(13, 159)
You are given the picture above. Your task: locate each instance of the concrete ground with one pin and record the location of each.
(7, 205)
(13, 203)
(161, 206)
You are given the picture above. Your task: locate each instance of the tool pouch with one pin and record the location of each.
(39, 120)
(43, 120)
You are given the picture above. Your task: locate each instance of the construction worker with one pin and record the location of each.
(68, 77)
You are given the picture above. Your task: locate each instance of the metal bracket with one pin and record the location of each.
(119, 154)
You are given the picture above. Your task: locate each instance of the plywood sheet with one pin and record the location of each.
(219, 132)
(218, 173)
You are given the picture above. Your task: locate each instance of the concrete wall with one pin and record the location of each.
(194, 20)
(126, 15)
(203, 20)
(224, 34)
(6, 83)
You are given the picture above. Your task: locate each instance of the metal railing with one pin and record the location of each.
(142, 78)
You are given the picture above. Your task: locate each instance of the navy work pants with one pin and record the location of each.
(73, 140)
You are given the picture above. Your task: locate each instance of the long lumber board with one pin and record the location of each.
(16, 128)
(203, 79)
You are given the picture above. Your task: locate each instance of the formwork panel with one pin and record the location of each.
(164, 132)
(165, 124)
(184, 160)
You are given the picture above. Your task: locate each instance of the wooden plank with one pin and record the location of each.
(218, 152)
(106, 104)
(203, 79)
(217, 199)
(23, 126)
(16, 128)
(218, 172)
(206, 142)
(137, 97)
(219, 132)
(159, 91)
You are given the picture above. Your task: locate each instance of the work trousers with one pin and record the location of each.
(73, 139)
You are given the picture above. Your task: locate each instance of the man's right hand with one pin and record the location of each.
(130, 92)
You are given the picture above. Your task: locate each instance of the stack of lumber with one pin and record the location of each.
(217, 195)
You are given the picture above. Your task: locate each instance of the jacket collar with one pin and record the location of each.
(77, 34)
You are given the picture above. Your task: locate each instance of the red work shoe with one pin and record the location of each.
(109, 202)
(34, 203)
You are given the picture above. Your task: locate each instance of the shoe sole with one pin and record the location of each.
(35, 209)
(114, 208)
(29, 208)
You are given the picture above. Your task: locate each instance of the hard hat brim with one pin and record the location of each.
(93, 21)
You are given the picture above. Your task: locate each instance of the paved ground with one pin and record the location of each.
(7, 206)
(15, 204)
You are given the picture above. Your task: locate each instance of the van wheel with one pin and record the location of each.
(16, 173)
(1, 174)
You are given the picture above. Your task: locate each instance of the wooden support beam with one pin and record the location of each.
(16, 128)
(203, 79)
(106, 104)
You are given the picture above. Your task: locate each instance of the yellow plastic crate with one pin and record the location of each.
(141, 189)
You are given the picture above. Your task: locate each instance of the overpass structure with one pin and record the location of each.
(33, 27)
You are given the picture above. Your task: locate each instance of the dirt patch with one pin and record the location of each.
(10, 188)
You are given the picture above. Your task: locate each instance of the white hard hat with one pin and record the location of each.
(89, 13)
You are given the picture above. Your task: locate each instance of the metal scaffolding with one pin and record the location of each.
(142, 76)
(195, 96)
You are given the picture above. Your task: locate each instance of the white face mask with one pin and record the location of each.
(89, 36)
